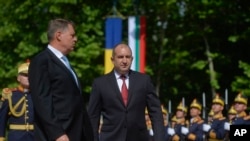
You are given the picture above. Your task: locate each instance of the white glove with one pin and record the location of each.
(206, 127)
(227, 126)
(171, 131)
(151, 132)
(184, 130)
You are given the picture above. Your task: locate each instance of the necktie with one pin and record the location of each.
(65, 59)
(124, 90)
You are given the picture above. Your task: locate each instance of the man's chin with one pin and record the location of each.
(72, 49)
(124, 71)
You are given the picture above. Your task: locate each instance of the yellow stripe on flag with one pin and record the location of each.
(107, 61)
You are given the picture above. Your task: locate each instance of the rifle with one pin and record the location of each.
(169, 113)
(226, 99)
(203, 106)
(183, 103)
(204, 113)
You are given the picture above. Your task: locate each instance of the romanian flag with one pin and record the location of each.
(113, 36)
(137, 41)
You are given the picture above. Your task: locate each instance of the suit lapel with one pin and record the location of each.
(132, 83)
(58, 62)
(115, 86)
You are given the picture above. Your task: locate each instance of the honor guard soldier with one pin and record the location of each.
(215, 131)
(16, 113)
(149, 125)
(240, 105)
(173, 121)
(169, 131)
(165, 115)
(231, 114)
(195, 130)
(210, 117)
(181, 113)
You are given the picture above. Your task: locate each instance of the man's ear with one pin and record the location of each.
(58, 36)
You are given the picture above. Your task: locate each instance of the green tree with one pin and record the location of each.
(192, 46)
(23, 34)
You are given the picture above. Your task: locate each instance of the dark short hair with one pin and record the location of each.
(57, 24)
(116, 45)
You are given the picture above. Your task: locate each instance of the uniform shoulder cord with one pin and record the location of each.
(7, 93)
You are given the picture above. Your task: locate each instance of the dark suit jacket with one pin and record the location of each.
(58, 101)
(121, 123)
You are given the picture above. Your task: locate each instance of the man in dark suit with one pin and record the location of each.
(123, 110)
(60, 113)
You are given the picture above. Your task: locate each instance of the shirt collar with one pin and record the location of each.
(55, 51)
(117, 75)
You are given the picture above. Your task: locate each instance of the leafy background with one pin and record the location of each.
(193, 46)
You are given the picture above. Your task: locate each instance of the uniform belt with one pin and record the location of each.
(26, 127)
(215, 140)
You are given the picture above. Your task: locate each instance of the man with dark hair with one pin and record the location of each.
(121, 96)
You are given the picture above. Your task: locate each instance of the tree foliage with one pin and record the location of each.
(192, 46)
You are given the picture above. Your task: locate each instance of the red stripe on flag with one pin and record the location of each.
(142, 44)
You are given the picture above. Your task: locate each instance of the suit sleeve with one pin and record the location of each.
(4, 110)
(155, 113)
(94, 109)
(42, 98)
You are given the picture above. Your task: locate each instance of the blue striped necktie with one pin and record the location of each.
(66, 62)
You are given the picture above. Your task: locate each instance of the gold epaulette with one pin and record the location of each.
(180, 121)
(212, 134)
(222, 118)
(6, 92)
(242, 114)
(247, 117)
(201, 121)
(2, 139)
(218, 116)
(191, 136)
(175, 138)
(197, 120)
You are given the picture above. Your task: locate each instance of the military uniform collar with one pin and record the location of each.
(242, 114)
(180, 120)
(196, 119)
(218, 116)
(22, 89)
